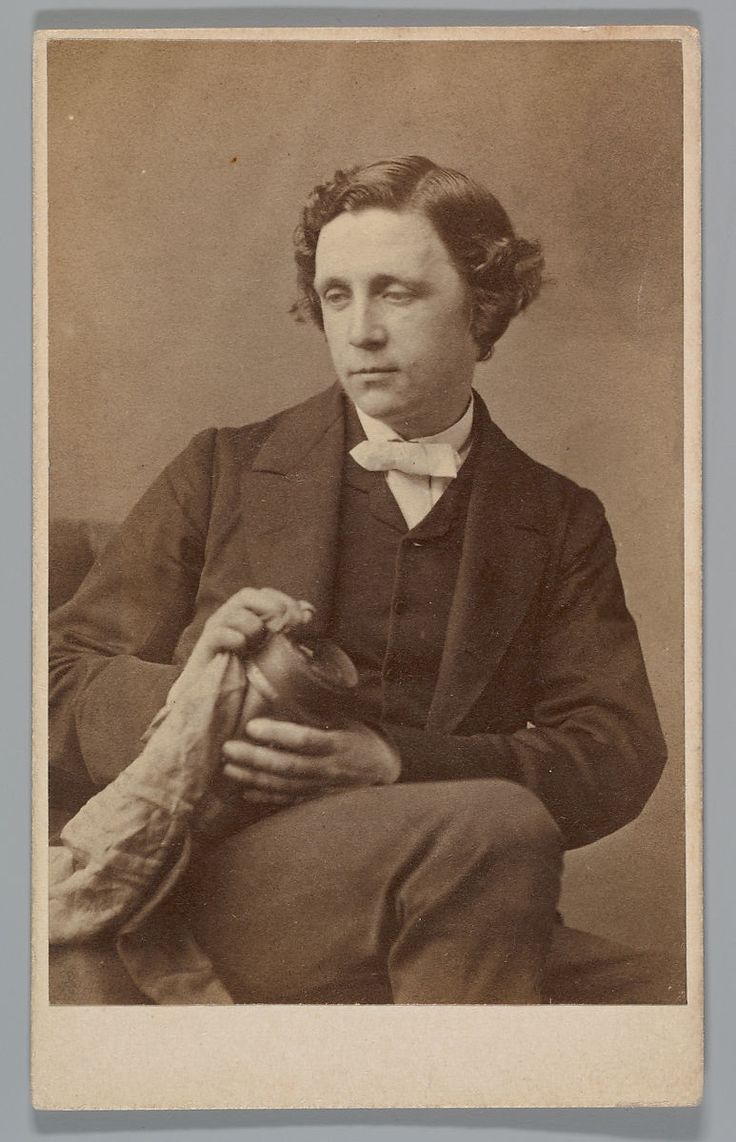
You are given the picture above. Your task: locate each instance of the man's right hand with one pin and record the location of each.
(241, 623)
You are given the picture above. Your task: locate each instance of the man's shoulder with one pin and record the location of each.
(548, 482)
(567, 516)
(542, 493)
(298, 421)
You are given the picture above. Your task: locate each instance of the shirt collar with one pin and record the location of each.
(457, 435)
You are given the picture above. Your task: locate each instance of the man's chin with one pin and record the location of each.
(375, 401)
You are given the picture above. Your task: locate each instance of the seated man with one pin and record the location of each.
(414, 857)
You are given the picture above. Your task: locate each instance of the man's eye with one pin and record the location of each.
(336, 298)
(398, 296)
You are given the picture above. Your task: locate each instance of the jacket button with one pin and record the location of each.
(399, 606)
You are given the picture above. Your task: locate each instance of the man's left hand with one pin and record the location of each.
(281, 762)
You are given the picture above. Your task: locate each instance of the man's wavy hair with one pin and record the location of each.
(503, 272)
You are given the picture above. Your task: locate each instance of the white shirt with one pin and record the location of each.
(417, 495)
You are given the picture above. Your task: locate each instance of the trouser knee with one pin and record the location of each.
(477, 908)
(485, 841)
(500, 819)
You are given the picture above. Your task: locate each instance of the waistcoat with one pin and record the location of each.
(394, 587)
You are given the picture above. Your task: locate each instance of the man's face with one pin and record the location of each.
(397, 318)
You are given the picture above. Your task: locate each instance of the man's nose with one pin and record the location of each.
(366, 329)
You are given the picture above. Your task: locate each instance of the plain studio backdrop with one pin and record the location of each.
(176, 174)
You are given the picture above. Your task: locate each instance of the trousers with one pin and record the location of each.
(442, 892)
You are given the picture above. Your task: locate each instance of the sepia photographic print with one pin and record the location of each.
(367, 564)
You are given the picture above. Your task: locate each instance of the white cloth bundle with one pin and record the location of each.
(126, 849)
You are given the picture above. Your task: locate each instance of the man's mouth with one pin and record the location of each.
(373, 369)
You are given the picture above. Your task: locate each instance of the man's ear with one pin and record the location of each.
(476, 332)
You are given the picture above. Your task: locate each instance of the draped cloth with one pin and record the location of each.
(122, 855)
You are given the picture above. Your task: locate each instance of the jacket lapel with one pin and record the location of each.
(504, 555)
(292, 494)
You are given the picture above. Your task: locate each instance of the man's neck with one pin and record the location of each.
(456, 434)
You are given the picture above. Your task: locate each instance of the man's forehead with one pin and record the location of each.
(379, 241)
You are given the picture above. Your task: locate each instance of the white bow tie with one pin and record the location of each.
(409, 456)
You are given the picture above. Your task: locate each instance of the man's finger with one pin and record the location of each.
(307, 740)
(227, 638)
(249, 757)
(276, 609)
(280, 763)
(249, 778)
(263, 798)
(229, 630)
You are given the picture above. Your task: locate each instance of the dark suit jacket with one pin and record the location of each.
(541, 682)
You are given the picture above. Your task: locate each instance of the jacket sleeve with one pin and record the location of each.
(593, 750)
(111, 645)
